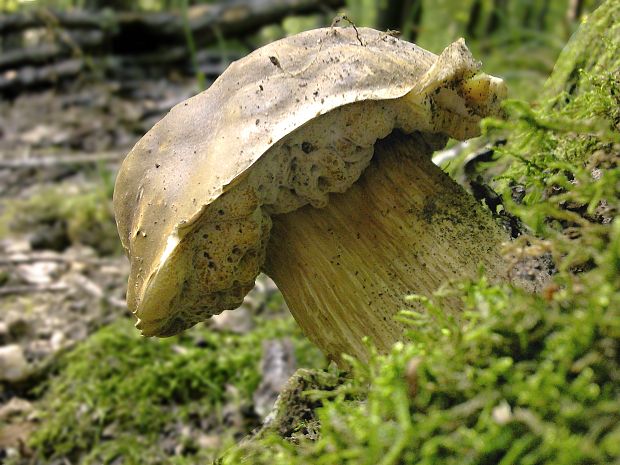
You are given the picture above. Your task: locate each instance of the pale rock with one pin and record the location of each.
(13, 364)
(57, 341)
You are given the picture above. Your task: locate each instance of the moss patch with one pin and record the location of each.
(592, 50)
(519, 378)
(119, 396)
(56, 217)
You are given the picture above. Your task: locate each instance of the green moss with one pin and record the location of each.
(518, 379)
(117, 395)
(63, 216)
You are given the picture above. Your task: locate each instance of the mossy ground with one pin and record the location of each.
(65, 214)
(517, 378)
(119, 396)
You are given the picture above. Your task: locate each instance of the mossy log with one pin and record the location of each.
(594, 48)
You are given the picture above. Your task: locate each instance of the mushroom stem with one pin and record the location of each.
(403, 228)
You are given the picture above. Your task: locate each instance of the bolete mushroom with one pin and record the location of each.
(272, 169)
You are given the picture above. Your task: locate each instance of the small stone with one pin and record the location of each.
(57, 341)
(14, 407)
(502, 413)
(179, 350)
(110, 431)
(209, 441)
(16, 246)
(42, 272)
(13, 364)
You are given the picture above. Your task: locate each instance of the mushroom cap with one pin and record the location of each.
(206, 145)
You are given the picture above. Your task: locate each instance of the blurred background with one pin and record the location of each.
(80, 82)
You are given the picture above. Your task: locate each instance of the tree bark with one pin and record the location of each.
(595, 47)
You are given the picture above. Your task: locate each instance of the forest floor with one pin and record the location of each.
(78, 384)
(54, 291)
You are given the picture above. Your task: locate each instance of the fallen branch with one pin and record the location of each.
(47, 52)
(22, 259)
(46, 162)
(33, 288)
(240, 18)
(78, 19)
(139, 31)
(99, 41)
(31, 76)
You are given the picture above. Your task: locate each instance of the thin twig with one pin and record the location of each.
(32, 288)
(338, 19)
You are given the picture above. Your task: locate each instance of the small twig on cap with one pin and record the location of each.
(338, 19)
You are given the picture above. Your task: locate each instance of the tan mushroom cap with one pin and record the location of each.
(206, 146)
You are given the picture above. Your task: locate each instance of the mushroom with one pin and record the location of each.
(272, 169)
